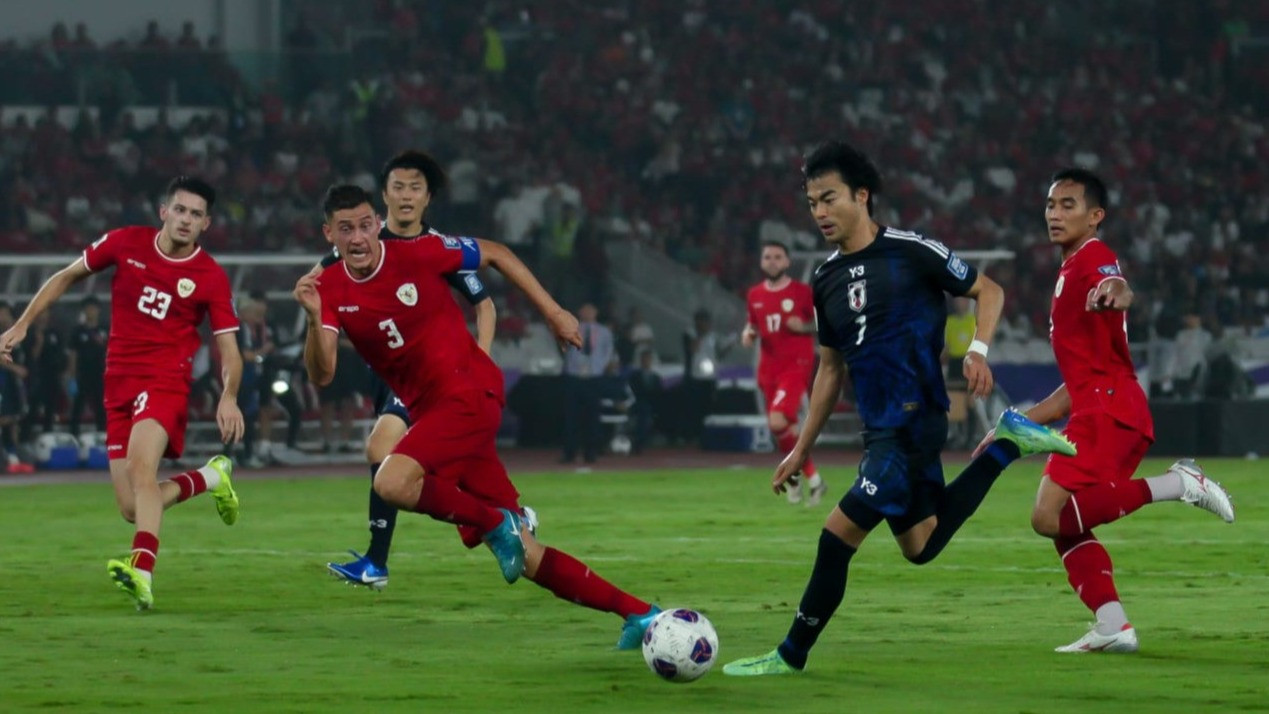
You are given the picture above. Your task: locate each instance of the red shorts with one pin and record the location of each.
(129, 400)
(783, 391)
(1108, 451)
(455, 441)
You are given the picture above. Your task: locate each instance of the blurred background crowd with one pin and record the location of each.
(568, 126)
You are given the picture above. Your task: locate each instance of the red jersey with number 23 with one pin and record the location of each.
(404, 322)
(780, 349)
(157, 304)
(1092, 347)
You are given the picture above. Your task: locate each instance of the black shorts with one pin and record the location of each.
(955, 376)
(348, 377)
(386, 400)
(901, 475)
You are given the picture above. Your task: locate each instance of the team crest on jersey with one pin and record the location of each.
(786, 305)
(1057, 291)
(857, 293)
(185, 287)
(408, 294)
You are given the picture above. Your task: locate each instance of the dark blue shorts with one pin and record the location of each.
(901, 467)
(387, 402)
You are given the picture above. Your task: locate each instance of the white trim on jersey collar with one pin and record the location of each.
(1077, 250)
(197, 249)
(383, 253)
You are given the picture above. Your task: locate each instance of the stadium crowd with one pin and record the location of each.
(567, 124)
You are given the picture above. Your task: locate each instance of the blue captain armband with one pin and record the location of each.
(471, 253)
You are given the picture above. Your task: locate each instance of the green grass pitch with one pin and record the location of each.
(246, 618)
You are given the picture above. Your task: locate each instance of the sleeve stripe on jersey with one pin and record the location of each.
(332, 328)
(227, 329)
(904, 235)
(84, 257)
(1110, 277)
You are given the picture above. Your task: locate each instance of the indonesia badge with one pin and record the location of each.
(408, 294)
(185, 287)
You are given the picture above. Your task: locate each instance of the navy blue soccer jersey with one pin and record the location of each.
(883, 308)
(465, 282)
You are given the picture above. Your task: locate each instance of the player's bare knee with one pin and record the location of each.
(376, 452)
(1044, 523)
(392, 488)
(128, 511)
(777, 422)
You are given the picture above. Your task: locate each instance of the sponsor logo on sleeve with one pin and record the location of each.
(1109, 270)
(473, 283)
(957, 267)
(451, 243)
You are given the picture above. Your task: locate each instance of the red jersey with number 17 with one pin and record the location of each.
(1092, 347)
(403, 321)
(780, 349)
(157, 304)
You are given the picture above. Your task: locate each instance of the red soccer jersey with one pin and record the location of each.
(404, 322)
(769, 310)
(1092, 347)
(157, 304)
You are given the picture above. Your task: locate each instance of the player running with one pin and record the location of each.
(1110, 419)
(409, 182)
(782, 320)
(392, 301)
(881, 307)
(163, 286)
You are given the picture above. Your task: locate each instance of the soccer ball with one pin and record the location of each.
(680, 645)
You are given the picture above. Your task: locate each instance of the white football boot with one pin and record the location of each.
(1201, 491)
(1122, 642)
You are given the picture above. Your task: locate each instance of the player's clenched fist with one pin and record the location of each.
(11, 338)
(563, 325)
(306, 295)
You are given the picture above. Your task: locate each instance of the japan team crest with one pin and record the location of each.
(408, 294)
(857, 293)
(185, 287)
(786, 305)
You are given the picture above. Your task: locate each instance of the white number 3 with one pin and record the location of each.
(395, 339)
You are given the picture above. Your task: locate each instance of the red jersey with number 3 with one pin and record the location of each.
(780, 349)
(1092, 347)
(157, 304)
(404, 322)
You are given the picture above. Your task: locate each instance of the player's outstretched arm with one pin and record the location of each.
(562, 323)
(486, 322)
(228, 415)
(989, 303)
(320, 344)
(49, 292)
(824, 394)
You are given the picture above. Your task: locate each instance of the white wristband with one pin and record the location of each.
(978, 346)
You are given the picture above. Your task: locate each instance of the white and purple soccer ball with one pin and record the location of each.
(680, 645)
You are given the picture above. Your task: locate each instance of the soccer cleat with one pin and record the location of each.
(769, 663)
(360, 572)
(529, 519)
(1201, 491)
(634, 627)
(793, 489)
(1122, 642)
(1030, 437)
(130, 580)
(507, 547)
(817, 494)
(225, 496)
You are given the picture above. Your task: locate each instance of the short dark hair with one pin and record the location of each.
(776, 244)
(196, 186)
(344, 196)
(418, 161)
(854, 166)
(1095, 193)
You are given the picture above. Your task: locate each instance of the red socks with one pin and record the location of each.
(1092, 507)
(145, 549)
(570, 579)
(1088, 569)
(446, 502)
(785, 441)
(191, 484)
